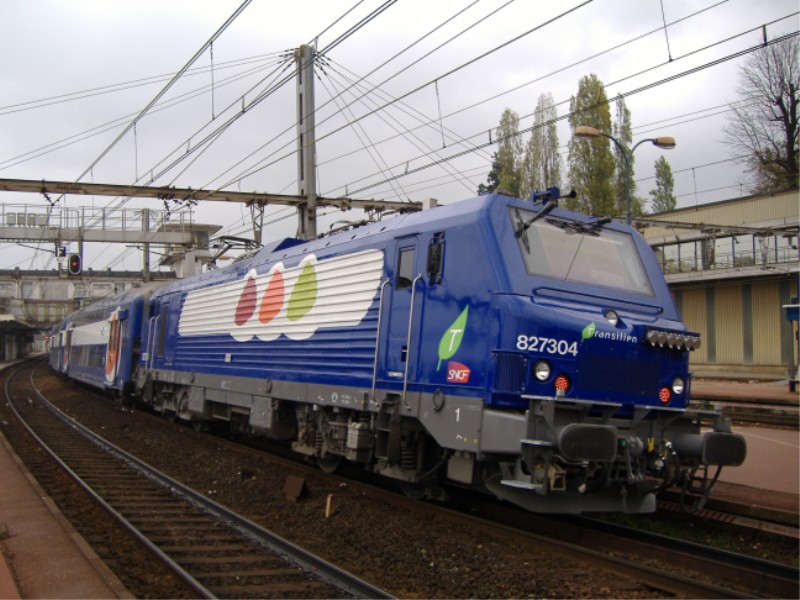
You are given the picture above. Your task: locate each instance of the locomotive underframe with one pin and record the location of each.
(319, 421)
(557, 456)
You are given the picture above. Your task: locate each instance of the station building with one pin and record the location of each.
(733, 268)
(32, 302)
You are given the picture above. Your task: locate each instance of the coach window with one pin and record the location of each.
(113, 337)
(405, 268)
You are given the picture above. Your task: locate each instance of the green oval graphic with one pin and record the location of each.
(588, 331)
(304, 294)
(451, 339)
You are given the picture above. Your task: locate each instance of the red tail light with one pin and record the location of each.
(562, 384)
(664, 395)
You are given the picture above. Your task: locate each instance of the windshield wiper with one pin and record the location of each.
(591, 228)
(546, 210)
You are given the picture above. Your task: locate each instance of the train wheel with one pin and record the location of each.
(329, 463)
(421, 491)
(414, 491)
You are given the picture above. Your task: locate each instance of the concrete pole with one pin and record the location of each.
(306, 143)
(146, 245)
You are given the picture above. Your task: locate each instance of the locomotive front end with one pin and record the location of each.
(591, 382)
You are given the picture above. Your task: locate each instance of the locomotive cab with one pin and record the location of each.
(596, 361)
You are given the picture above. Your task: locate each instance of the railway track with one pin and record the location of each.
(634, 561)
(213, 551)
(664, 563)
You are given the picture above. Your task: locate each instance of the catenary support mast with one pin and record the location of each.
(306, 146)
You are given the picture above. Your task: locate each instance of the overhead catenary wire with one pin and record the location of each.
(423, 86)
(586, 59)
(259, 98)
(652, 84)
(352, 30)
(264, 94)
(319, 109)
(367, 144)
(118, 122)
(166, 88)
(262, 164)
(128, 85)
(424, 121)
(483, 146)
(624, 95)
(394, 124)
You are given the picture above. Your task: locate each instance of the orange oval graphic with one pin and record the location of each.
(272, 300)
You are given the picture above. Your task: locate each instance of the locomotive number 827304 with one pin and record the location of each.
(499, 344)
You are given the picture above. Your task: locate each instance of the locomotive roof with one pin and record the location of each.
(351, 240)
(477, 218)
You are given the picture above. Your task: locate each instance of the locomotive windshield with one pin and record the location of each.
(580, 252)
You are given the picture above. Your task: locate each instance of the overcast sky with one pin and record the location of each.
(74, 74)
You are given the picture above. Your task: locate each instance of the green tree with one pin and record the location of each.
(763, 126)
(663, 194)
(509, 153)
(591, 163)
(492, 179)
(624, 178)
(541, 167)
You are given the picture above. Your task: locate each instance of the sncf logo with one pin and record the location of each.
(457, 373)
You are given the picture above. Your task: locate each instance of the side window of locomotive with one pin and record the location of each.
(405, 268)
(162, 329)
(435, 258)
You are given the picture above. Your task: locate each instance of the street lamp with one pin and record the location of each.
(585, 132)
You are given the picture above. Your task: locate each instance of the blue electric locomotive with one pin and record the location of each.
(494, 343)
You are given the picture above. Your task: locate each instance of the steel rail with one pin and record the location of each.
(775, 576)
(179, 572)
(323, 570)
(744, 575)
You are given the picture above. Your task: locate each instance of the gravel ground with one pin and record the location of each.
(410, 554)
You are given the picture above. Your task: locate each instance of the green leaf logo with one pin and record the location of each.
(588, 332)
(451, 339)
(304, 293)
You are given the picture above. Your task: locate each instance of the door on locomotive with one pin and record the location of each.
(163, 324)
(399, 302)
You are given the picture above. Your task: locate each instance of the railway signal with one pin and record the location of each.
(74, 265)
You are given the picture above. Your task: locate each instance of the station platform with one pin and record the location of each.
(42, 555)
(744, 390)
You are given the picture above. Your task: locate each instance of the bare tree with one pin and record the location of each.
(763, 126)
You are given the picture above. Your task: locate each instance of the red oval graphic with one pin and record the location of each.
(247, 302)
(272, 300)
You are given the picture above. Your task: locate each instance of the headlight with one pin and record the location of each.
(677, 386)
(612, 317)
(541, 370)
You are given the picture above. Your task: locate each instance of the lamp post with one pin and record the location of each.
(667, 143)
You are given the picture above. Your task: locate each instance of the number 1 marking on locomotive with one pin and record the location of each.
(458, 415)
